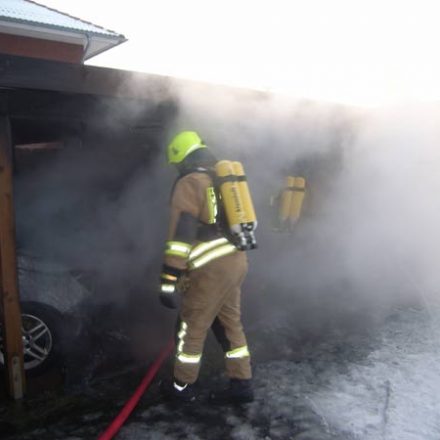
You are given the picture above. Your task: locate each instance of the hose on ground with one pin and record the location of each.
(128, 408)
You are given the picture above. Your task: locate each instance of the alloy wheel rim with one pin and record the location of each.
(37, 342)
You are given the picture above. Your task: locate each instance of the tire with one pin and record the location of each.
(42, 338)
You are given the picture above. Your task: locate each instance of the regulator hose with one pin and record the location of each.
(128, 408)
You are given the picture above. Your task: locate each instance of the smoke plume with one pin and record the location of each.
(367, 240)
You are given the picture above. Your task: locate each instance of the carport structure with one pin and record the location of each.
(50, 104)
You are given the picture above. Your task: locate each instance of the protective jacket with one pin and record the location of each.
(215, 268)
(194, 238)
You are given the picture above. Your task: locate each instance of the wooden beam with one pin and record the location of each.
(30, 73)
(49, 105)
(9, 296)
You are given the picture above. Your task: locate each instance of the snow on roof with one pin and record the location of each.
(29, 12)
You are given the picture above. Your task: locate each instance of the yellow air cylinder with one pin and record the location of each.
(286, 200)
(230, 193)
(248, 206)
(298, 194)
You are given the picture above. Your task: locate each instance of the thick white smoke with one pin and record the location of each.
(389, 194)
(368, 240)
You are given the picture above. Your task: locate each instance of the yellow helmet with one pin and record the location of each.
(182, 145)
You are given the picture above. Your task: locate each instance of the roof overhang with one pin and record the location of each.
(92, 43)
(36, 74)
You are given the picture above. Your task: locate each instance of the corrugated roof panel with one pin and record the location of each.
(31, 13)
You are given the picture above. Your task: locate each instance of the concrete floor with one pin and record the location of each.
(339, 385)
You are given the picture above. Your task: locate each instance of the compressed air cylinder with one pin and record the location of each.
(298, 194)
(230, 193)
(248, 207)
(286, 200)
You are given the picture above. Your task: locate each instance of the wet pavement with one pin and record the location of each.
(378, 385)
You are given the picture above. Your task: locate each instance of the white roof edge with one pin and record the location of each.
(98, 45)
(32, 13)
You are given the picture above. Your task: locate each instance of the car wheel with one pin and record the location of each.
(42, 337)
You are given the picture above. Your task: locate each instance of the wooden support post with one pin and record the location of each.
(9, 297)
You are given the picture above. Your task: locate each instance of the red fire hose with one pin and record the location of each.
(120, 419)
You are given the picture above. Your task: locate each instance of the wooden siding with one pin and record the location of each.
(43, 49)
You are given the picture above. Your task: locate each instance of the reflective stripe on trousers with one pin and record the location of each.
(238, 353)
(180, 355)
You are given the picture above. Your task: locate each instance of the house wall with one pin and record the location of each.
(37, 48)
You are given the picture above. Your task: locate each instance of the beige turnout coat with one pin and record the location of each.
(216, 271)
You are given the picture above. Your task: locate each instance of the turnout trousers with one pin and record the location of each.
(213, 300)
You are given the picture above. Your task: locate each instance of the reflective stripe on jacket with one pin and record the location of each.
(193, 197)
(203, 253)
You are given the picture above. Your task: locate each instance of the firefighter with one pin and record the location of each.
(198, 254)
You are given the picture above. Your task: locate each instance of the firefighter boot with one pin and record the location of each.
(176, 391)
(239, 391)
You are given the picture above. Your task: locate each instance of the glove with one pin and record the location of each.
(169, 279)
(168, 300)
